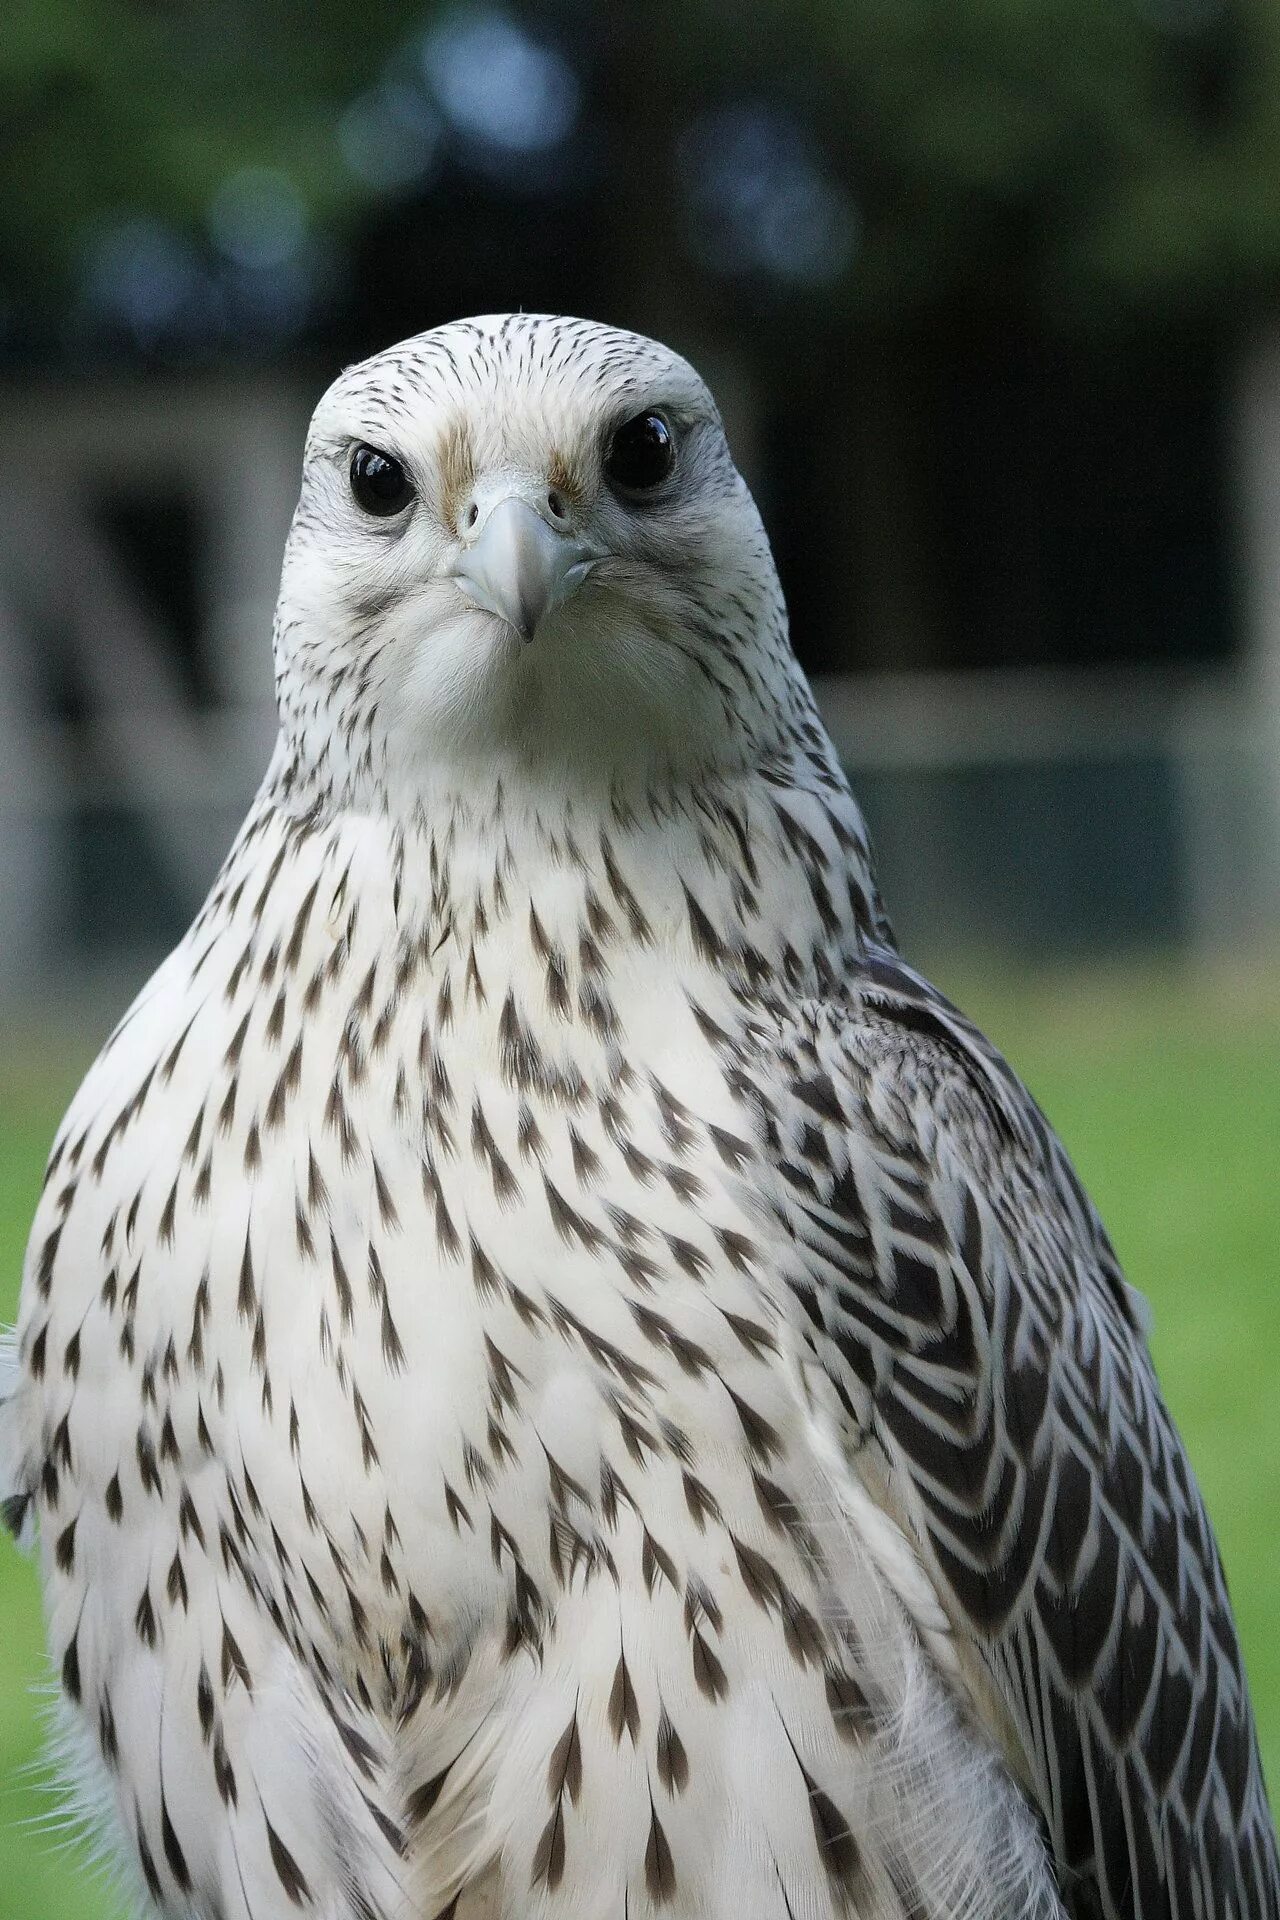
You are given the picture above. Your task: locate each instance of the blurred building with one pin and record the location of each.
(1032, 554)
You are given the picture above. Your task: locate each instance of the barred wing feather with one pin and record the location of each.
(991, 1384)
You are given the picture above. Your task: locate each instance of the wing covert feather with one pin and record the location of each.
(958, 1291)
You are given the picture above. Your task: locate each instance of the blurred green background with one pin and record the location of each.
(989, 291)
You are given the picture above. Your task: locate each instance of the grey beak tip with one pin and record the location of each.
(520, 568)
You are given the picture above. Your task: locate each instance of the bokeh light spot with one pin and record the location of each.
(497, 84)
(759, 200)
(257, 218)
(389, 136)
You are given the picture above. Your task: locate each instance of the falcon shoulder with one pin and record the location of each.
(981, 1368)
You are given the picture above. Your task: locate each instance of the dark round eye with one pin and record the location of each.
(640, 454)
(379, 483)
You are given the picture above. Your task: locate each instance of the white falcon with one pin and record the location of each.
(556, 1375)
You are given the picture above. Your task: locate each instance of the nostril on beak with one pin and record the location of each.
(471, 516)
(519, 562)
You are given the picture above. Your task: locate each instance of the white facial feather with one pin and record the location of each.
(671, 655)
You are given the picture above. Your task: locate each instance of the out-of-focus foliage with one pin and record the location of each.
(107, 106)
(1083, 149)
(1073, 153)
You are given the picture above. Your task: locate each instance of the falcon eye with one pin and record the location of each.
(641, 454)
(379, 483)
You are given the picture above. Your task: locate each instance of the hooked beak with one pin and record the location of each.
(520, 567)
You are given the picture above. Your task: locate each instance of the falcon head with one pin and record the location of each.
(524, 539)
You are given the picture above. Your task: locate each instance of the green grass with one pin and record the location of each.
(1164, 1082)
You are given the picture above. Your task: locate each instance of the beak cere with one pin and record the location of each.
(519, 566)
